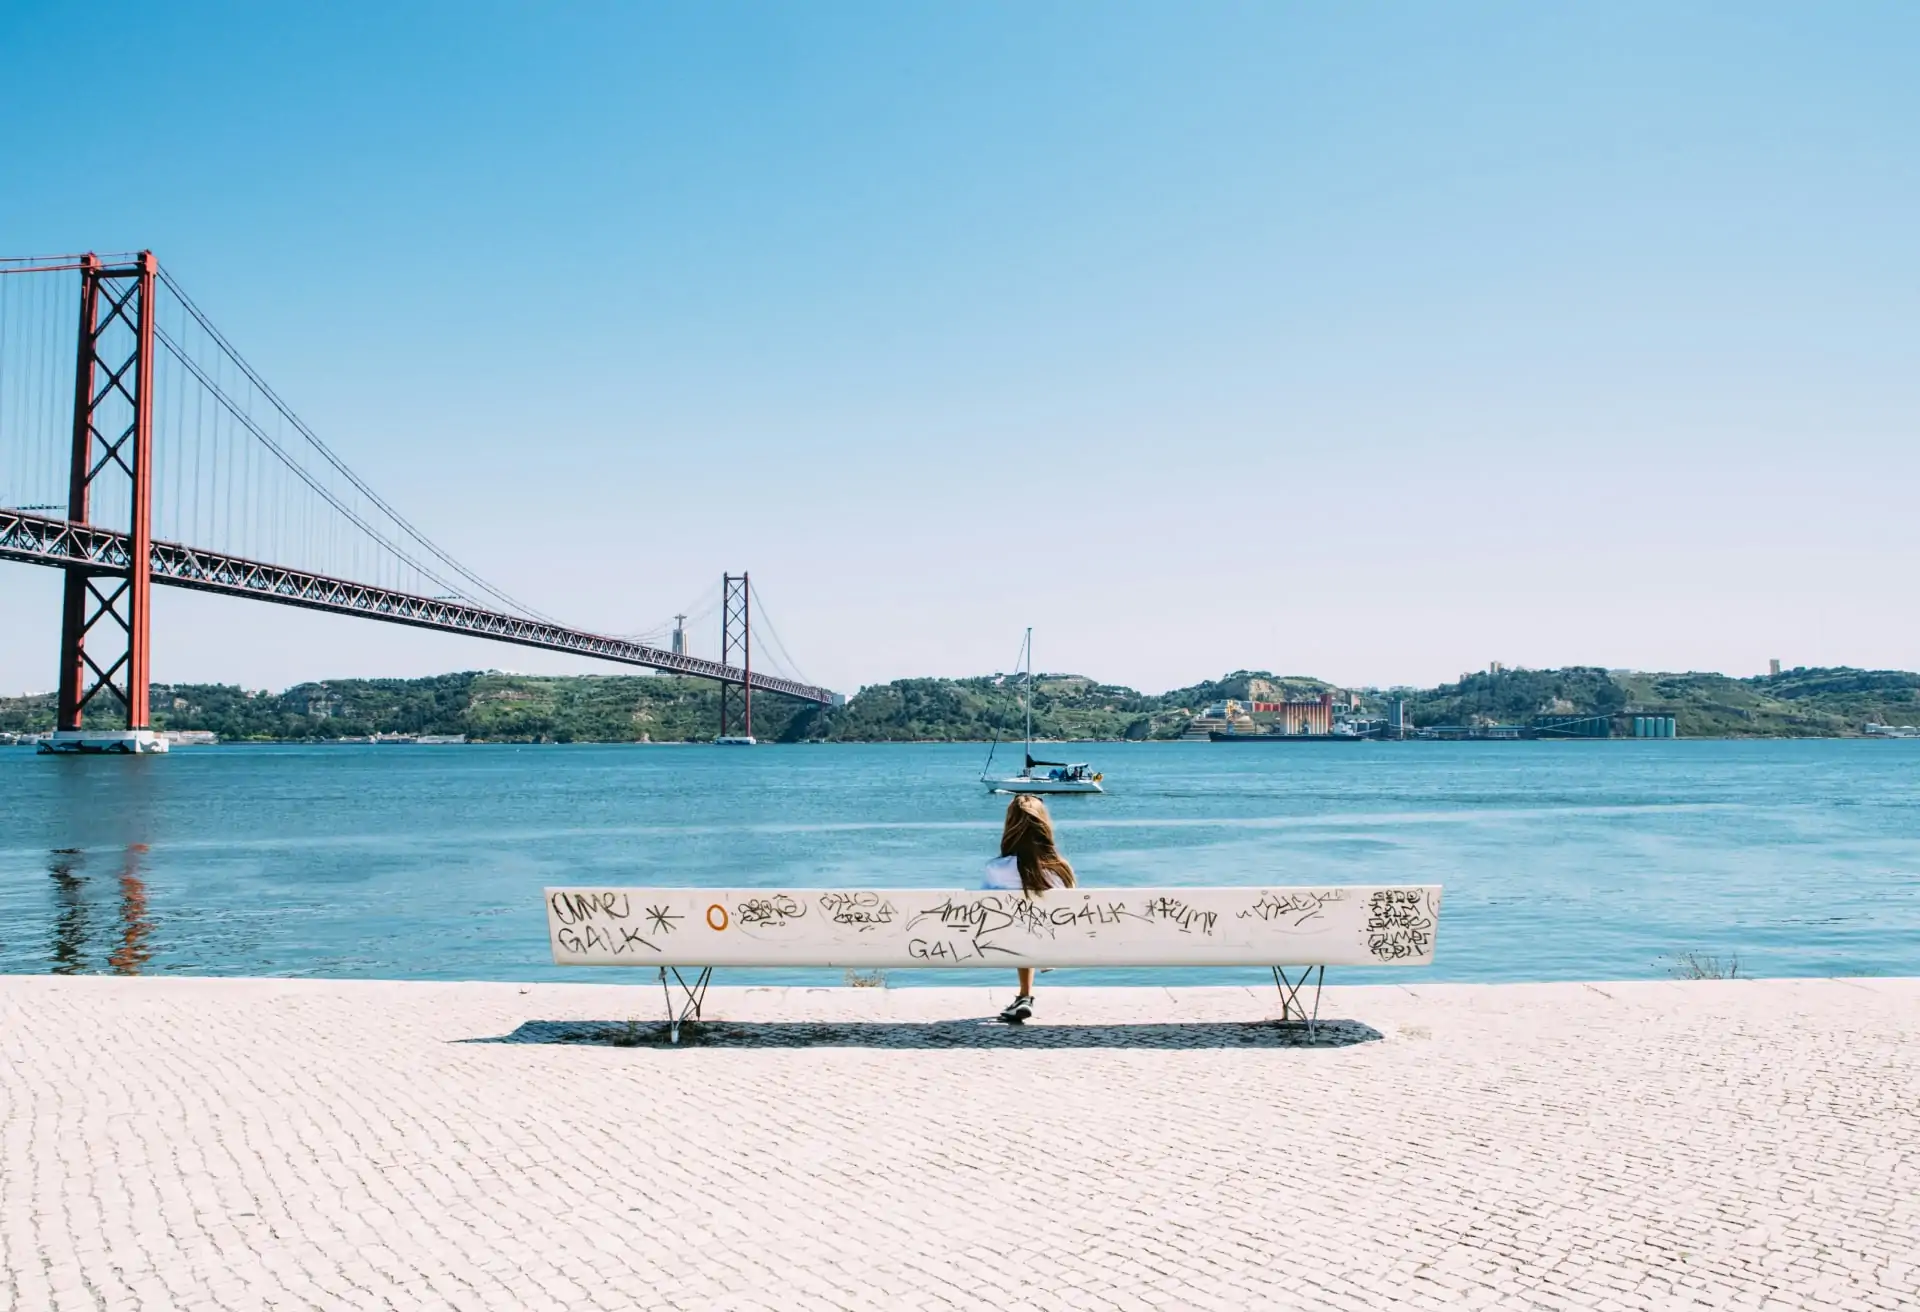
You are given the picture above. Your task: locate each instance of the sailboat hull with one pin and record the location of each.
(1022, 784)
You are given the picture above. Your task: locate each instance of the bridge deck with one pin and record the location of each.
(39, 540)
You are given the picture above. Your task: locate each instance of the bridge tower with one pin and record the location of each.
(111, 473)
(736, 637)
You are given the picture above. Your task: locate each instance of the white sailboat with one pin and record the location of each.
(1038, 776)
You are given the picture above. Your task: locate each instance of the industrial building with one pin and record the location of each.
(1305, 715)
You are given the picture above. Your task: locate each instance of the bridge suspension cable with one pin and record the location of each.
(466, 584)
(784, 664)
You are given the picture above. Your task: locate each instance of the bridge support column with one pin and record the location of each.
(112, 474)
(736, 638)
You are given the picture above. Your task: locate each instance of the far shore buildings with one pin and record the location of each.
(1305, 715)
(1312, 715)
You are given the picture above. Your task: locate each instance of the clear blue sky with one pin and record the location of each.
(1372, 342)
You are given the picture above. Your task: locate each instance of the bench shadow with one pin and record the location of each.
(971, 1033)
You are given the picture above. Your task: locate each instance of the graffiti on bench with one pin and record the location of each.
(1251, 926)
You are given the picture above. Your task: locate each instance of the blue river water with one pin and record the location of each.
(1579, 860)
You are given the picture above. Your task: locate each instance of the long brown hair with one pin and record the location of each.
(1028, 837)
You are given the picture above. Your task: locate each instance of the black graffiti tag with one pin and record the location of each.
(1179, 913)
(1292, 907)
(1090, 913)
(1399, 924)
(775, 911)
(862, 909)
(571, 908)
(953, 951)
(618, 941)
(978, 919)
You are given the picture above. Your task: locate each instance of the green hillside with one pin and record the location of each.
(495, 707)
(1792, 704)
(637, 708)
(1515, 697)
(1064, 706)
(1796, 703)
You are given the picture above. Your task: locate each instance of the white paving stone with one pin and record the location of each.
(240, 1144)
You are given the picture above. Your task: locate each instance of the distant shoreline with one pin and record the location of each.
(1572, 702)
(28, 744)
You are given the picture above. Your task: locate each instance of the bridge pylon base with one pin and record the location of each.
(103, 742)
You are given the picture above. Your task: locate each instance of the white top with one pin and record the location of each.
(1004, 872)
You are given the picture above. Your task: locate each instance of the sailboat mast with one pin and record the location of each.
(1029, 693)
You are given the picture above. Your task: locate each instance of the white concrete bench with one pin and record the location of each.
(695, 929)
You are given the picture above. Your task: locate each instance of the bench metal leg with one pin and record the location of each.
(692, 995)
(1290, 1005)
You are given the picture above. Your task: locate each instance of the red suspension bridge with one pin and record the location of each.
(150, 453)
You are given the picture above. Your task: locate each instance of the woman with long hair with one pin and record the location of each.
(1029, 860)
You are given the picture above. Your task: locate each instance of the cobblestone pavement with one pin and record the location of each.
(253, 1144)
